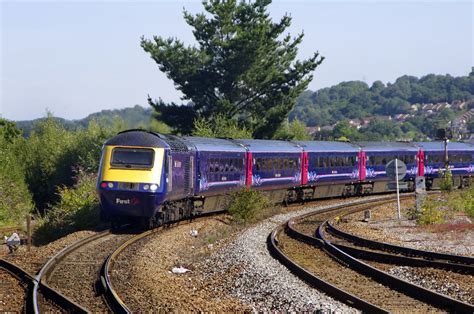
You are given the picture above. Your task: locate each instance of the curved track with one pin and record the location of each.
(307, 250)
(74, 270)
(112, 296)
(46, 298)
(389, 253)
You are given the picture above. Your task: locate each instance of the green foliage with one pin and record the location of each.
(467, 198)
(356, 100)
(295, 130)
(47, 164)
(431, 213)
(446, 180)
(220, 126)
(15, 199)
(117, 119)
(244, 67)
(248, 205)
(78, 209)
(52, 152)
(344, 130)
(9, 131)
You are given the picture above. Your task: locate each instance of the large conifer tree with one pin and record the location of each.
(243, 67)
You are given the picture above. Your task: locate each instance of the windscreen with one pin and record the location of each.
(132, 158)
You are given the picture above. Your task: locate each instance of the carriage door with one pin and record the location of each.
(362, 165)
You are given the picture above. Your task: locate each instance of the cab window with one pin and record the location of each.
(141, 158)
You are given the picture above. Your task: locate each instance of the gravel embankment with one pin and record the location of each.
(33, 261)
(385, 227)
(230, 270)
(262, 282)
(457, 286)
(12, 293)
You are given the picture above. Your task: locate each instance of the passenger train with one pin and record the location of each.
(155, 179)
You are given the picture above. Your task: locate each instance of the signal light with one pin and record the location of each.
(103, 185)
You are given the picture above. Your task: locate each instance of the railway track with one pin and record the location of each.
(388, 253)
(113, 296)
(74, 270)
(323, 265)
(47, 299)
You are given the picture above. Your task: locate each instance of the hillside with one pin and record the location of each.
(409, 108)
(133, 117)
(411, 104)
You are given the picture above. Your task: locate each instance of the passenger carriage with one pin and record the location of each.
(274, 166)
(460, 159)
(332, 168)
(376, 155)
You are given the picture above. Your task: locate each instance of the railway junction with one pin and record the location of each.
(318, 256)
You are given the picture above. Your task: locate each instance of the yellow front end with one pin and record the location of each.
(109, 173)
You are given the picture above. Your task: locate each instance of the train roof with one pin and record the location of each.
(137, 138)
(327, 146)
(263, 146)
(387, 146)
(213, 144)
(439, 145)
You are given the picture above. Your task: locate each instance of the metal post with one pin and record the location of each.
(28, 231)
(398, 190)
(446, 161)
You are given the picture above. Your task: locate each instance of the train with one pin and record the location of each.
(153, 179)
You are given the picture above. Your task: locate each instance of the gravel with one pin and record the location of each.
(261, 281)
(455, 285)
(12, 293)
(384, 227)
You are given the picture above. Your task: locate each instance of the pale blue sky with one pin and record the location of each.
(79, 57)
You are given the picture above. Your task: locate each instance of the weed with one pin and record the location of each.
(447, 180)
(248, 205)
(78, 209)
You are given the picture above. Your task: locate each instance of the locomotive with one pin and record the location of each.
(154, 179)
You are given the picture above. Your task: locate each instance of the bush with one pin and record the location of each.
(15, 199)
(447, 180)
(248, 205)
(468, 201)
(296, 130)
(52, 153)
(431, 213)
(78, 209)
(220, 126)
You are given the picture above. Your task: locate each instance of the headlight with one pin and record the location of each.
(146, 187)
(110, 185)
(153, 187)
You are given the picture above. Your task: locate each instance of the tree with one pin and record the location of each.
(243, 67)
(9, 131)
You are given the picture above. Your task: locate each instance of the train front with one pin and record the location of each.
(131, 180)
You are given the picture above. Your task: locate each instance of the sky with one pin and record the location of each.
(73, 58)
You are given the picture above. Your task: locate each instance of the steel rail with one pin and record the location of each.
(33, 284)
(309, 278)
(382, 246)
(45, 271)
(113, 299)
(413, 290)
(403, 260)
